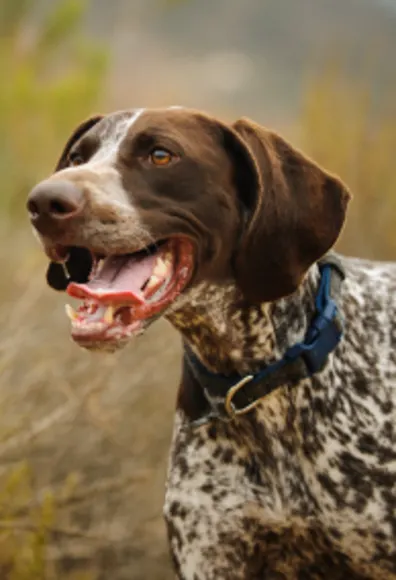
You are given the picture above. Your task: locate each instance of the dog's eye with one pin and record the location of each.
(75, 159)
(160, 157)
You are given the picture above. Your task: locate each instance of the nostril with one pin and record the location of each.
(33, 209)
(54, 201)
(57, 207)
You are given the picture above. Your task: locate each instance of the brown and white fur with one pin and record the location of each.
(304, 486)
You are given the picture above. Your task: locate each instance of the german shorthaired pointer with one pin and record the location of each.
(283, 462)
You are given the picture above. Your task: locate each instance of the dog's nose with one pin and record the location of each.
(53, 203)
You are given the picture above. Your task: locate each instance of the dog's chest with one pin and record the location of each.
(305, 487)
(295, 495)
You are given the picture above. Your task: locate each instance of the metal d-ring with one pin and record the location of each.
(229, 407)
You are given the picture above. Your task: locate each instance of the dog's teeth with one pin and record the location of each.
(71, 313)
(91, 307)
(152, 282)
(160, 268)
(109, 315)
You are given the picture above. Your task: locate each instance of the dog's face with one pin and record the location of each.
(145, 204)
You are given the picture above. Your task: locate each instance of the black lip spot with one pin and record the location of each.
(79, 265)
(56, 277)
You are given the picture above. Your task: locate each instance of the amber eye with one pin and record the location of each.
(75, 159)
(160, 157)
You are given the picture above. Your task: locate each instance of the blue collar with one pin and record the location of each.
(230, 396)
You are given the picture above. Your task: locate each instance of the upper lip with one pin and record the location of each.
(60, 253)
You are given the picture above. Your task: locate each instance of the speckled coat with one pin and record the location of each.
(304, 487)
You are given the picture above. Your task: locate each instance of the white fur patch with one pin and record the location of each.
(99, 176)
(107, 152)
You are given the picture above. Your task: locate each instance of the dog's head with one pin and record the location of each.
(146, 204)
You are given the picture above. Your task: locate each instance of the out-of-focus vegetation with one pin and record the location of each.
(353, 133)
(84, 438)
(51, 79)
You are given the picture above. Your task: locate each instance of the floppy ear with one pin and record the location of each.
(75, 136)
(294, 216)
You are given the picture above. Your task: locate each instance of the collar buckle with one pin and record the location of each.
(231, 409)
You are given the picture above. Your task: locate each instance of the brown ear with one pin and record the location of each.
(75, 136)
(294, 218)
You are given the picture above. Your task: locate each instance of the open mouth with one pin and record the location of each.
(123, 292)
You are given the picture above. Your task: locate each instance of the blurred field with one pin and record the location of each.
(87, 435)
(84, 438)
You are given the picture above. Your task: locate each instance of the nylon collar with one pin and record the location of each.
(234, 395)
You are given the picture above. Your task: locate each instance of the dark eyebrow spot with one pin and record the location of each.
(148, 139)
(145, 140)
(87, 146)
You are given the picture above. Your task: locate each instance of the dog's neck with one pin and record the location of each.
(228, 334)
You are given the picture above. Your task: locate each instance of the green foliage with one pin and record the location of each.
(23, 538)
(52, 78)
(352, 132)
(27, 525)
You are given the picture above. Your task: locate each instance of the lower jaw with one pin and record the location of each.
(99, 336)
(105, 340)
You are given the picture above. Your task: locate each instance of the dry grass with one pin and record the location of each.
(87, 433)
(351, 130)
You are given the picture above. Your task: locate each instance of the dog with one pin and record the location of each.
(283, 460)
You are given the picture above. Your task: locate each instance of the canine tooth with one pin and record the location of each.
(109, 315)
(71, 313)
(152, 282)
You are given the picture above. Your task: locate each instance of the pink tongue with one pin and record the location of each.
(120, 278)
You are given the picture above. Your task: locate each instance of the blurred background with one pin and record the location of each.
(83, 437)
